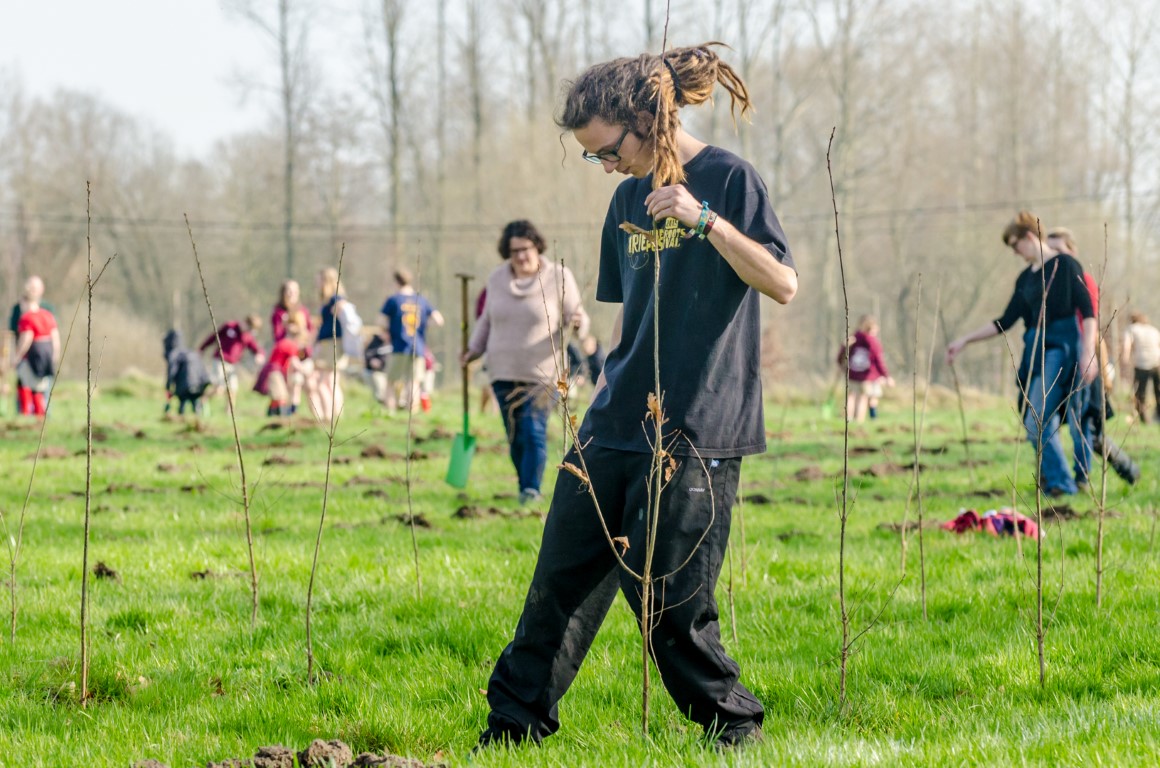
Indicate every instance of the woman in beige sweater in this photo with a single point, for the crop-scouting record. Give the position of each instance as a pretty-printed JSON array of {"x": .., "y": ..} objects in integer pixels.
[{"x": 522, "y": 330}]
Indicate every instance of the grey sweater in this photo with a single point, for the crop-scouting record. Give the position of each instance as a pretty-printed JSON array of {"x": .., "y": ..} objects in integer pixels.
[{"x": 521, "y": 322}]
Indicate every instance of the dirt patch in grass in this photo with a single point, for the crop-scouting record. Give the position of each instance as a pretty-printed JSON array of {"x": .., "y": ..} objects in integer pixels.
[
  {"x": 756, "y": 498},
  {"x": 884, "y": 469},
  {"x": 364, "y": 480},
  {"x": 809, "y": 473},
  {"x": 909, "y": 525},
  {"x": 150, "y": 764},
  {"x": 320, "y": 754},
  {"x": 792, "y": 534},
  {"x": 439, "y": 433},
  {"x": 989, "y": 493},
  {"x": 864, "y": 450},
  {"x": 195, "y": 488},
  {"x": 51, "y": 452},
  {"x": 130, "y": 488},
  {"x": 278, "y": 461},
  {"x": 1061, "y": 513},
  {"x": 419, "y": 520},
  {"x": 326, "y": 754},
  {"x": 468, "y": 512},
  {"x": 207, "y": 574},
  {"x": 373, "y": 452},
  {"x": 102, "y": 571}
]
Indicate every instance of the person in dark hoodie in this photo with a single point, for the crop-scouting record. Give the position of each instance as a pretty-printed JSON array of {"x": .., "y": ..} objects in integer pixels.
[{"x": 186, "y": 377}]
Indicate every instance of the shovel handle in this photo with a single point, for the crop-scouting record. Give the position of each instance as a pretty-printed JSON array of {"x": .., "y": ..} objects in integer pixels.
[{"x": 464, "y": 279}]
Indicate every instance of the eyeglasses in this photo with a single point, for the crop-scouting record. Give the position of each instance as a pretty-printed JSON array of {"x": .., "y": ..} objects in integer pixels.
[{"x": 611, "y": 156}]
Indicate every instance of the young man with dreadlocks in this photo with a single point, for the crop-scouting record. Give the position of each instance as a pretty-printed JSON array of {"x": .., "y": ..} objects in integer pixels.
[{"x": 720, "y": 246}]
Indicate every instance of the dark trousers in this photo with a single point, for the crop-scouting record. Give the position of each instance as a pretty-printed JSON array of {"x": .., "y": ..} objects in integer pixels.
[
  {"x": 1144, "y": 377},
  {"x": 525, "y": 408},
  {"x": 577, "y": 576}
]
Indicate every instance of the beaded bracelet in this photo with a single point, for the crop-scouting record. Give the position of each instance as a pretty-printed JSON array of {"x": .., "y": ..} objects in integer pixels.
[
  {"x": 700, "y": 228},
  {"x": 709, "y": 222}
]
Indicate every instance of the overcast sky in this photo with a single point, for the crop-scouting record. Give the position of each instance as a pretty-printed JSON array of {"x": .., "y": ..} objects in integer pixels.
[{"x": 172, "y": 63}]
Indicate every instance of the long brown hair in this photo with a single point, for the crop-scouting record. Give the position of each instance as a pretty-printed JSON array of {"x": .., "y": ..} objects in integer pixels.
[{"x": 648, "y": 90}]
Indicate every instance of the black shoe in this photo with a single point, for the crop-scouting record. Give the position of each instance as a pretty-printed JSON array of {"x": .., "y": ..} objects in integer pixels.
[
  {"x": 1129, "y": 472},
  {"x": 495, "y": 738},
  {"x": 738, "y": 736}
]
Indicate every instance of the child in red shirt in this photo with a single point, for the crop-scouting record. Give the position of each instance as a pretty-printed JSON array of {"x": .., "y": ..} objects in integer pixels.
[{"x": 37, "y": 353}]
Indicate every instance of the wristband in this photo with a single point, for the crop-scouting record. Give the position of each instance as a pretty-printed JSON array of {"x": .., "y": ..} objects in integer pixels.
[
  {"x": 700, "y": 228},
  {"x": 709, "y": 222}
]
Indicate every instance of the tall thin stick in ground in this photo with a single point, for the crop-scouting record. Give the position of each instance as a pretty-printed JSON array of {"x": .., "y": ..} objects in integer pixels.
[
  {"x": 917, "y": 464},
  {"x": 656, "y": 471},
  {"x": 1101, "y": 506},
  {"x": 334, "y": 414},
  {"x": 410, "y": 432},
  {"x": 88, "y": 444},
  {"x": 238, "y": 453},
  {"x": 914, "y": 421},
  {"x": 843, "y": 509},
  {"x": 962, "y": 408}
]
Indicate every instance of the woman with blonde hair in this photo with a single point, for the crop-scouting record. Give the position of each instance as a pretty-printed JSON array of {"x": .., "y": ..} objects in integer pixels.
[
  {"x": 1057, "y": 359},
  {"x": 338, "y": 319}
]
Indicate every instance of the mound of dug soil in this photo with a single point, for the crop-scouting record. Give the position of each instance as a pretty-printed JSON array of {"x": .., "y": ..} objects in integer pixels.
[
  {"x": 320, "y": 754},
  {"x": 325, "y": 754}
]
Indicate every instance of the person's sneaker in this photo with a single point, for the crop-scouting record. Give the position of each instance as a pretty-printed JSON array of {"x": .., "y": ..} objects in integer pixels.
[
  {"x": 530, "y": 496},
  {"x": 739, "y": 736},
  {"x": 492, "y": 737}
]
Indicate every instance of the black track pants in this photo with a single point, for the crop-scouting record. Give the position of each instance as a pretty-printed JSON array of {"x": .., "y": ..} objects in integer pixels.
[{"x": 576, "y": 579}]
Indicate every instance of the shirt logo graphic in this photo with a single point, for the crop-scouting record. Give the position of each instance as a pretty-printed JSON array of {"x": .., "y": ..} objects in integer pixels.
[{"x": 642, "y": 242}]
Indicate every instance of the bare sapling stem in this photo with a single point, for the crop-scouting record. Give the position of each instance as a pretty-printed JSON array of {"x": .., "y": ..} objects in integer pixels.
[
  {"x": 658, "y": 459},
  {"x": 84, "y": 687},
  {"x": 238, "y": 452},
  {"x": 1042, "y": 420},
  {"x": 914, "y": 430},
  {"x": 917, "y": 461},
  {"x": 843, "y": 507},
  {"x": 410, "y": 432},
  {"x": 15, "y": 540},
  {"x": 962, "y": 408},
  {"x": 1102, "y": 502},
  {"x": 331, "y": 426}
]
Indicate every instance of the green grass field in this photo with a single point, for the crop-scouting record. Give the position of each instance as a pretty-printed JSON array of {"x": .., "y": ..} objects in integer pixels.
[{"x": 177, "y": 675}]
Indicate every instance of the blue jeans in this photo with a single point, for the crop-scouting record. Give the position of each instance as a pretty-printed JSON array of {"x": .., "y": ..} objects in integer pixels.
[
  {"x": 1082, "y": 431},
  {"x": 1054, "y": 474},
  {"x": 525, "y": 407}
]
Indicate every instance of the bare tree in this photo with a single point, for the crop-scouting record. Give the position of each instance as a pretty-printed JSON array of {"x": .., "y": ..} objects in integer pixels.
[{"x": 286, "y": 25}]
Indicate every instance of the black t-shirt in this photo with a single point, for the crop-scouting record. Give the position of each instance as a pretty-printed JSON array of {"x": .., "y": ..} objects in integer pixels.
[
  {"x": 1066, "y": 294},
  {"x": 709, "y": 319}
]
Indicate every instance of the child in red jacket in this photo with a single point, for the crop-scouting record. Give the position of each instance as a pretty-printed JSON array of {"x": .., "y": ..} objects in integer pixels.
[{"x": 866, "y": 369}]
